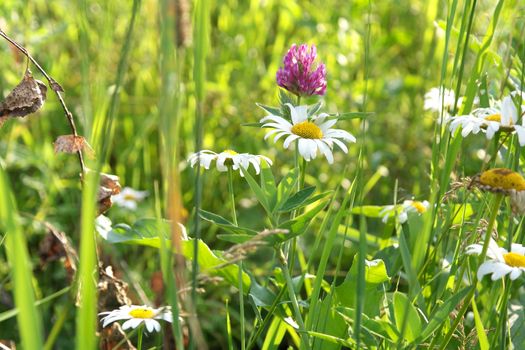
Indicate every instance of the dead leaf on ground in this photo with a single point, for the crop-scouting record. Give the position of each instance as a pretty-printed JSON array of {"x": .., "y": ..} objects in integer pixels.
[
  {"x": 26, "y": 98},
  {"x": 73, "y": 144}
]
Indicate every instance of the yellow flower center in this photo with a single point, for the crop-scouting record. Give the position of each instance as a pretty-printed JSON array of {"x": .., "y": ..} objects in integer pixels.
[
  {"x": 130, "y": 197},
  {"x": 494, "y": 118},
  {"x": 307, "y": 130},
  {"x": 231, "y": 152},
  {"x": 514, "y": 259},
  {"x": 142, "y": 313},
  {"x": 502, "y": 178},
  {"x": 420, "y": 207}
]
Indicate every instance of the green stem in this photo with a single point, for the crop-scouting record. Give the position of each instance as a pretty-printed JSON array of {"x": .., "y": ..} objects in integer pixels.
[
  {"x": 232, "y": 195},
  {"x": 241, "y": 287},
  {"x": 141, "y": 332},
  {"x": 502, "y": 317},
  {"x": 492, "y": 220},
  {"x": 293, "y": 298}
]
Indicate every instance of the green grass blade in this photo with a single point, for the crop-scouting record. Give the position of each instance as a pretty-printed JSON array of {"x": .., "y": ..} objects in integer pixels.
[{"x": 29, "y": 320}]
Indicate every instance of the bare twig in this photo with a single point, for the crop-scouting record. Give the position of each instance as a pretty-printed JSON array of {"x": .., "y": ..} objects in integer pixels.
[{"x": 55, "y": 87}]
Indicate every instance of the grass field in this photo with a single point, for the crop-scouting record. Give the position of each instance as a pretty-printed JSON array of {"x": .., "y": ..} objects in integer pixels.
[{"x": 377, "y": 235}]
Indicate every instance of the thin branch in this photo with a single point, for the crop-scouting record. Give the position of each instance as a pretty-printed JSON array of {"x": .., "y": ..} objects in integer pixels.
[{"x": 55, "y": 87}]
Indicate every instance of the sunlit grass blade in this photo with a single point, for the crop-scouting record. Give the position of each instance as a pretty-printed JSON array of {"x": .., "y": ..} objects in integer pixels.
[{"x": 29, "y": 320}]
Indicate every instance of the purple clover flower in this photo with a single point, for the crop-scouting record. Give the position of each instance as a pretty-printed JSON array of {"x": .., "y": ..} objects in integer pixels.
[{"x": 298, "y": 75}]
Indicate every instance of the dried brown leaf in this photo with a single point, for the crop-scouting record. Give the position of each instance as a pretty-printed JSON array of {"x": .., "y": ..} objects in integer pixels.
[
  {"x": 56, "y": 246},
  {"x": 72, "y": 144},
  {"x": 26, "y": 98},
  {"x": 109, "y": 186}
]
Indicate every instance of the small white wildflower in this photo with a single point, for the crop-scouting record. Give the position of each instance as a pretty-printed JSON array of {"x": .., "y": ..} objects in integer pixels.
[
  {"x": 499, "y": 262},
  {"x": 128, "y": 198},
  {"x": 228, "y": 157},
  {"x": 136, "y": 315}
]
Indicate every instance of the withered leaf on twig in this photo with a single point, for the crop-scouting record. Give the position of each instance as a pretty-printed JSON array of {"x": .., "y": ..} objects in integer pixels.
[
  {"x": 73, "y": 144},
  {"x": 109, "y": 186},
  {"x": 26, "y": 98}
]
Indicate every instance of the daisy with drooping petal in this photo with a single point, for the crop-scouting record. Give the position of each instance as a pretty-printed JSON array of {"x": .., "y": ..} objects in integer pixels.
[
  {"x": 136, "y": 315},
  {"x": 312, "y": 134},
  {"x": 128, "y": 198},
  {"x": 505, "y": 181},
  {"x": 228, "y": 158},
  {"x": 299, "y": 75},
  {"x": 500, "y": 262},
  {"x": 503, "y": 117},
  {"x": 437, "y": 99},
  {"x": 402, "y": 211}
]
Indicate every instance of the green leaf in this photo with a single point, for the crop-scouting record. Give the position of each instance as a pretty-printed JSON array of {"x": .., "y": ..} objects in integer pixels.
[
  {"x": 298, "y": 225},
  {"x": 351, "y": 115},
  {"x": 257, "y": 190},
  {"x": 285, "y": 98},
  {"x": 253, "y": 125},
  {"x": 145, "y": 232},
  {"x": 297, "y": 199},
  {"x": 285, "y": 187},
  {"x": 269, "y": 109},
  {"x": 406, "y": 317},
  {"x": 442, "y": 313},
  {"x": 268, "y": 185},
  {"x": 480, "y": 330},
  {"x": 313, "y": 109},
  {"x": 371, "y": 211},
  {"x": 225, "y": 224},
  {"x": 375, "y": 275}
]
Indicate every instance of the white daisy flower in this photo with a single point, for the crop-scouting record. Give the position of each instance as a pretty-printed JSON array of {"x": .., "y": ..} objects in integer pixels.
[
  {"x": 128, "y": 198},
  {"x": 312, "y": 134},
  {"x": 226, "y": 158},
  {"x": 434, "y": 98},
  {"x": 136, "y": 315},
  {"x": 402, "y": 211},
  {"x": 502, "y": 117},
  {"x": 500, "y": 262}
]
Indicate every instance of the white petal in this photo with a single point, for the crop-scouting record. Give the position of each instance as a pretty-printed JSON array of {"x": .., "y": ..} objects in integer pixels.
[
  {"x": 278, "y": 121},
  {"x": 289, "y": 140},
  {"x": 515, "y": 273},
  {"x": 304, "y": 149},
  {"x": 325, "y": 149},
  {"x": 500, "y": 271},
  {"x": 340, "y": 144},
  {"x": 520, "y": 131},
  {"x": 508, "y": 111},
  {"x": 131, "y": 323},
  {"x": 486, "y": 268}
]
